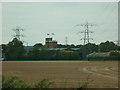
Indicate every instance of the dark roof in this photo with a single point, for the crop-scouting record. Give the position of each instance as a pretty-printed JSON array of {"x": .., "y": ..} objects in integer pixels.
[{"x": 74, "y": 49}]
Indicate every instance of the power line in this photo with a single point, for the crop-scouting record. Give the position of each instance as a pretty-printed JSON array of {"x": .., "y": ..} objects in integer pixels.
[
  {"x": 107, "y": 13},
  {"x": 86, "y": 32}
]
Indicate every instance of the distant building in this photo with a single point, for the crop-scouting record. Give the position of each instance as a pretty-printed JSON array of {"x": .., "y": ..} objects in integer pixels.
[
  {"x": 27, "y": 48},
  {"x": 71, "y": 49},
  {"x": 50, "y": 43}
]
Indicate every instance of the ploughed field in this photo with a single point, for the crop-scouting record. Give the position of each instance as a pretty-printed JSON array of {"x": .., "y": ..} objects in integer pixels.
[{"x": 64, "y": 74}]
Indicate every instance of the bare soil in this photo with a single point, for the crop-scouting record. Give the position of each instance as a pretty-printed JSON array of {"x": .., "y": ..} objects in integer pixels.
[{"x": 64, "y": 74}]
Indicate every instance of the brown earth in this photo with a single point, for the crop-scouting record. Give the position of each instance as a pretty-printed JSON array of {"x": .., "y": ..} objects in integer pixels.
[{"x": 72, "y": 74}]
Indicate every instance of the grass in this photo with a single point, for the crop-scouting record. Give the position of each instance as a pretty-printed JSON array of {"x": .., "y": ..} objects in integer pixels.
[
  {"x": 86, "y": 83},
  {"x": 15, "y": 82}
]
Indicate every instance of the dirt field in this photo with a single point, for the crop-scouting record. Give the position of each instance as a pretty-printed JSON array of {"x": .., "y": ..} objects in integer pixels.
[{"x": 102, "y": 74}]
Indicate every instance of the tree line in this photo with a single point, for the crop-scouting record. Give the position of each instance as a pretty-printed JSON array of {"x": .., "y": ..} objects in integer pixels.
[{"x": 15, "y": 50}]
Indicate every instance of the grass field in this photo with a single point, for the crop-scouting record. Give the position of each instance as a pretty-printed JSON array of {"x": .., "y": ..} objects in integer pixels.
[{"x": 100, "y": 74}]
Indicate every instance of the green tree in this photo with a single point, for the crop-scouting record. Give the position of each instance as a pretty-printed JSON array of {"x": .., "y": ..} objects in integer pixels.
[
  {"x": 15, "y": 50},
  {"x": 78, "y": 46},
  {"x": 107, "y": 46},
  {"x": 72, "y": 46},
  {"x": 61, "y": 46},
  {"x": 4, "y": 48},
  {"x": 87, "y": 49},
  {"x": 38, "y": 52},
  {"x": 114, "y": 55},
  {"x": 38, "y": 45}
]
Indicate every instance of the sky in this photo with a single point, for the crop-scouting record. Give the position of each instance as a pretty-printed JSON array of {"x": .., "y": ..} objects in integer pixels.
[
  {"x": 39, "y": 18},
  {"x": 0, "y": 23}
]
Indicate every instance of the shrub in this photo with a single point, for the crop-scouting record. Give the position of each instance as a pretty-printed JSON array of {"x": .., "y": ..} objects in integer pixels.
[
  {"x": 13, "y": 82},
  {"x": 43, "y": 84}
]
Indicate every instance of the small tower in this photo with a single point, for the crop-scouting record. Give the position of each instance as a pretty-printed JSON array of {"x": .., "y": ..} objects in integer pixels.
[{"x": 50, "y": 43}]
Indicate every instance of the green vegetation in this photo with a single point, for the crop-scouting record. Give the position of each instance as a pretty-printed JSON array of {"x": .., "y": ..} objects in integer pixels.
[
  {"x": 86, "y": 83},
  {"x": 112, "y": 55},
  {"x": 15, "y": 50},
  {"x": 107, "y": 46},
  {"x": 15, "y": 82},
  {"x": 115, "y": 55}
]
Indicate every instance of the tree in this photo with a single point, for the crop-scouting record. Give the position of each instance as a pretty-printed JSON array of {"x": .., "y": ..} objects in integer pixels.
[
  {"x": 72, "y": 46},
  {"x": 38, "y": 52},
  {"x": 78, "y": 46},
  {"x": 61, "y": 46},
  {"x": 15, "y": 50},
  {"x": 4, "y": 48},
  {"x": 107, "y": 46},
  {"x": 118, "y": 48},
  {"x": 38, "y": 45},
  {"x": 87, "y": 49}
]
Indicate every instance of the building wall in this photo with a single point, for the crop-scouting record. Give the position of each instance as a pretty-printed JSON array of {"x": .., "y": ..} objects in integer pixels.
[{"x": 52, "y": 44}]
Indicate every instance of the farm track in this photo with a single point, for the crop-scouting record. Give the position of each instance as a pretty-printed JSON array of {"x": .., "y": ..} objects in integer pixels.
[
  {"x": 100, "y": 73},
  {"x": 103, "y": 74}
]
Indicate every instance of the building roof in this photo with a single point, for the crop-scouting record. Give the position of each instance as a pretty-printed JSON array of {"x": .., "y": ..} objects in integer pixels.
[
  {"x": 74, "y": 49},
  {"x": 28, "y": 47},
  {"x": 99, "y": 54},
  {"x": 51, "y": 41}
]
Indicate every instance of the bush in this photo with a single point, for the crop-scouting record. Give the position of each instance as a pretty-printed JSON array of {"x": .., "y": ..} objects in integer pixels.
[
  {"x": 43, "y": 84},
  {"x": 15, "y": 82},
  {"x": 115, "y": 55}
]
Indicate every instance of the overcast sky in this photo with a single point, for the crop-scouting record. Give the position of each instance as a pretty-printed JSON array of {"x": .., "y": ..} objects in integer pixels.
[{"x": 60, "y": 18}]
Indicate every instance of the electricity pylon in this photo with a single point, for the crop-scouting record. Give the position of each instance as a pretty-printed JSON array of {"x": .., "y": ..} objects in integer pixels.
[
  {"x": 86, "y": 32},
  {"x": 18, "y": 32},
  {"x": 66, "y": 41}
]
